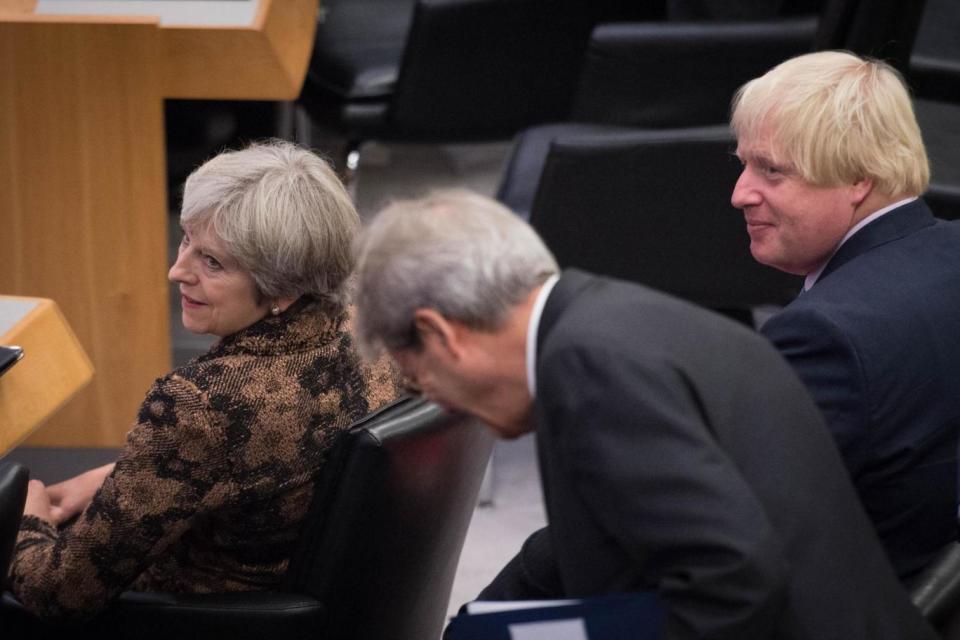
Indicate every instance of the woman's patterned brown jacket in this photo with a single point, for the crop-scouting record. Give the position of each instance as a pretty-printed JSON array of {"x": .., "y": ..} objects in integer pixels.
[{"x": 210, "y": 490}]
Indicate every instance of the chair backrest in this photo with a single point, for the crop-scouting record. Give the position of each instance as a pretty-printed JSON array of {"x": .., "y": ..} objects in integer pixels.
[
  {"x": 679, "y": 74},
  {"x": 883, "y": 29},
  {"x": 935, "y": 63},
  {"x": 484, "y": 69},
  {"x": 654, "y": 207},
  {"x": 13, "y": 494},
  {"x": 388, "y": 522}
]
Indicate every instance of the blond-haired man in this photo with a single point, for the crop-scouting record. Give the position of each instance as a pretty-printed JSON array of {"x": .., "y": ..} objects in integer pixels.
[{"x": 833, "y": 169}]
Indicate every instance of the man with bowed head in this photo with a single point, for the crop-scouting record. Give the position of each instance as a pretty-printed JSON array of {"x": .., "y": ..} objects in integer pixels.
[
  {"x": 833, "y": 167},
  {"x": 678, "y": 451}
]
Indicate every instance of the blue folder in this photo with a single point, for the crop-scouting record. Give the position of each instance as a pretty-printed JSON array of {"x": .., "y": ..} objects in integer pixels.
[{"x": 633, "y": 616}]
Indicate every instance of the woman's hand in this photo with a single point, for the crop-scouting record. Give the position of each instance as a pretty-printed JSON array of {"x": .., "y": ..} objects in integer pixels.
[
  {"x": 70, "y": 497},
  {"x": 38, "y": 503}
]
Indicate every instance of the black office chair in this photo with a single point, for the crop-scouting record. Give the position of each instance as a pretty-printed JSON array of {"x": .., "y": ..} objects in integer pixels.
[
  {"x": 671, "y": 75},
  {"x": 680, "y": 74},
  {"x": 654, "y": 207},
  {"x": 376, "y": 559},
  {"x": 445, "y": 70}
]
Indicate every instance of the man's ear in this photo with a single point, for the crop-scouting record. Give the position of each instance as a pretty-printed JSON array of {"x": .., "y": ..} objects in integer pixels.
[
  {"x": 433, "y": 327},
  {"x": 860, "y": 190}
]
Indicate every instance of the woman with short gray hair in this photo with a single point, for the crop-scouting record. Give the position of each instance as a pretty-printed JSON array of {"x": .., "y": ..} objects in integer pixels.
[
  {"x": 238, "y": 195},
  {"x": 211, "y": 489}
]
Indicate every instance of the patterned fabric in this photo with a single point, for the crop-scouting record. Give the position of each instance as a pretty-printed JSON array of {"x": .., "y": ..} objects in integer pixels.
[{"x": 209, "y": 493}]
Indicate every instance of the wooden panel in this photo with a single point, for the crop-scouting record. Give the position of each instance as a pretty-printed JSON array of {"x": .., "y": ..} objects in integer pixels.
[
  {"x": 265, "y": 62},
  {"x": 83, "y": 204},
  {"x": 52, "y": 370},
  {"x": 82, "y": 175}
]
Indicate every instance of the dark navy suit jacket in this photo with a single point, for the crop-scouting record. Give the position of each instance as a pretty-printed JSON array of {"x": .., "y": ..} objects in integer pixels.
[
  {"x": 679, "y": 453},
  {"x": 877, "y": 342}
]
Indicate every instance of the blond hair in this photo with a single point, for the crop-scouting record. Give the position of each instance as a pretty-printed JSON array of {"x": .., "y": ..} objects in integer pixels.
[{"x": 837, "y": 118}]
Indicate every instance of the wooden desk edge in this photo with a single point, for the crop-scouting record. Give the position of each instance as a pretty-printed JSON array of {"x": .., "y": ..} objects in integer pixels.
[{"x": 44, "y": 322}]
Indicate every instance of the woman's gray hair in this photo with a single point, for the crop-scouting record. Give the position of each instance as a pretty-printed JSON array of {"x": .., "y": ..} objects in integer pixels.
[
  {"x": 282, "y": 213},
  {"x": 459, "y": 253}
]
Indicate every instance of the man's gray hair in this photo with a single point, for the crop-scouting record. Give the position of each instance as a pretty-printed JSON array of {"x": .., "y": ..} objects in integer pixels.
[
  {"x": 282, "y": 213},
  {"x": 464, "y": 255}
]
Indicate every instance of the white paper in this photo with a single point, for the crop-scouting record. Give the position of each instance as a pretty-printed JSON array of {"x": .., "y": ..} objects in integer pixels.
[
  {"x": 219, "y": 13},
  {"x": 553, "y": 630},
  {"x": 495, "y": 606}
]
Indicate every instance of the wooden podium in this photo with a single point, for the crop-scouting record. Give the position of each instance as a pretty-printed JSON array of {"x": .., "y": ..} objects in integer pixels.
[{"x": 83, "y": 208}]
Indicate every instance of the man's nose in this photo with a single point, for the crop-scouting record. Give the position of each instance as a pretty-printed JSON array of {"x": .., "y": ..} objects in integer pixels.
[{"x": 744, "y": 194}]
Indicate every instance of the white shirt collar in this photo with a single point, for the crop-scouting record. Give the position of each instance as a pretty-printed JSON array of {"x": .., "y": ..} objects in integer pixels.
[
  {"x": 814, "y": 275},
  {"x": 532, "y": 328}
]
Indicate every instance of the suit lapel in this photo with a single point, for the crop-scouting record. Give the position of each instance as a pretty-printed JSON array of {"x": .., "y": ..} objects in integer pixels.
[{"x": 896, "y": 224}]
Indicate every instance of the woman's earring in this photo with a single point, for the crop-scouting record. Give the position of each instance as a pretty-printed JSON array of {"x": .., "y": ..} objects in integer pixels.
[{"x": 275, "y": 309}]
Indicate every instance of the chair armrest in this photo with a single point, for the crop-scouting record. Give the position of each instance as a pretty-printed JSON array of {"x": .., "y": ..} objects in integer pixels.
[
  {"x": 13, "y": 495},
  {"x": 230, "y": 615},
  {"x": 679, "y": 74},
  {"x": 936, "y": 592}
]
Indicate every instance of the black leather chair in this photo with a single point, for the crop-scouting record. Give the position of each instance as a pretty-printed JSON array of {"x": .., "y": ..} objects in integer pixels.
[
  {"x": 936, "y": 592},
  {"x": 669, "y": 75},
  {"x": 377, "y": 557},
  {"x": 654, "y": 207},
  {"x": 655, "y": 75},
  {"x": 678, "y": 74},
  {"x": 446, "y": 70}
]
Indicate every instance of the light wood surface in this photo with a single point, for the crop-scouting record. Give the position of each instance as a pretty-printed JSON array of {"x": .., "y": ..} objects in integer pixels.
[
  {"x": 53, "y": 369},
  {"x": 265, "y": 62},
  {"x": 83, "y": 209}
]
